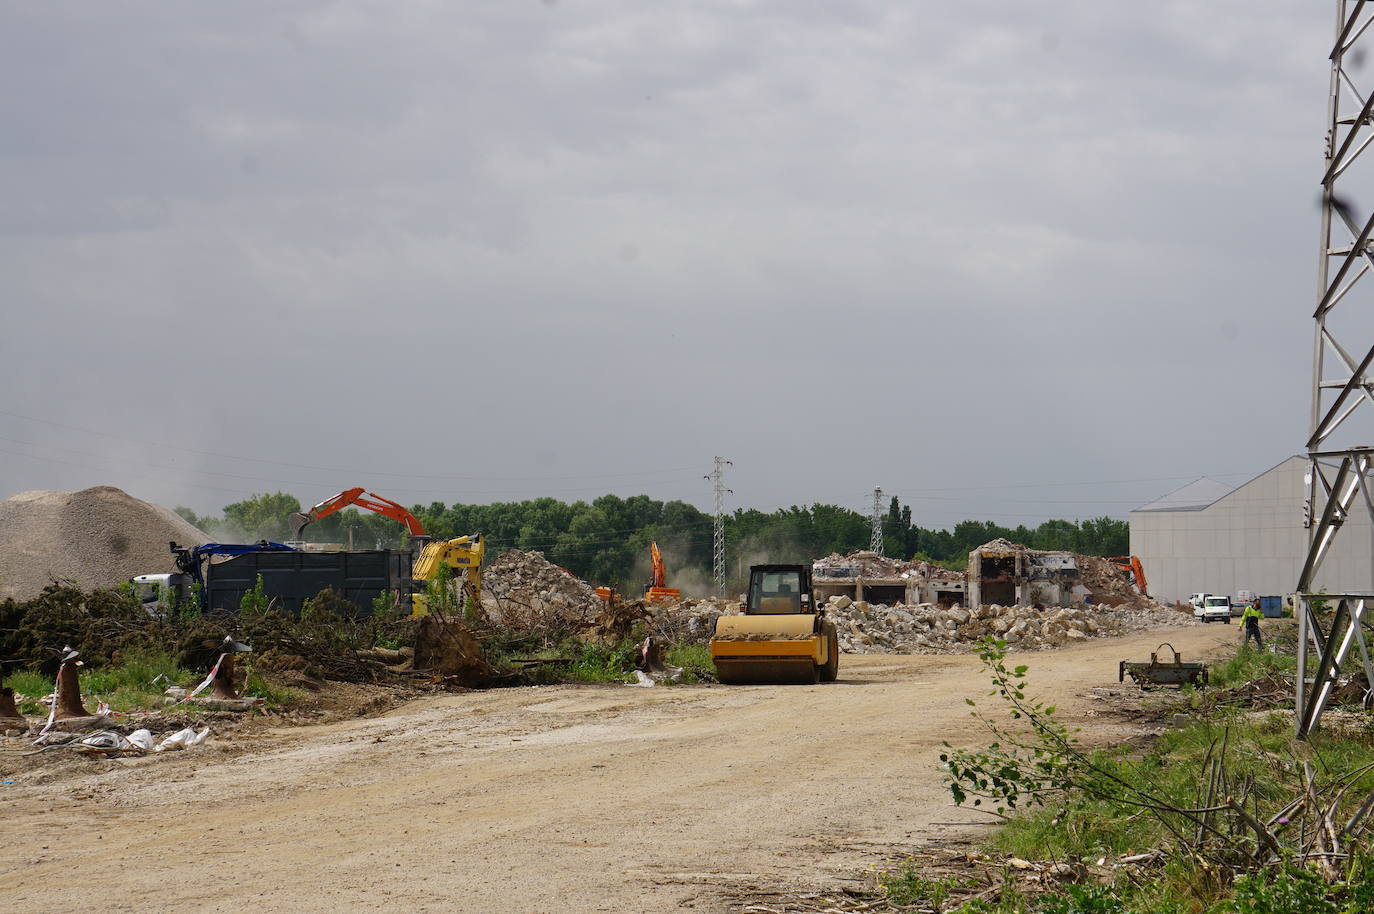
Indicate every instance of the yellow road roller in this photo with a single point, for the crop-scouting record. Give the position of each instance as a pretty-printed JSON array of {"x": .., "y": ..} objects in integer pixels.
[{"x": 783, "y": 636}]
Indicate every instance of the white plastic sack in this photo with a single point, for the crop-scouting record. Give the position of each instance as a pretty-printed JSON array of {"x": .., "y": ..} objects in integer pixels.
[
  {"x": 106, "y": 740},
  {"x": 143, "y": 739},
  {"x": 183, "y": 739}
]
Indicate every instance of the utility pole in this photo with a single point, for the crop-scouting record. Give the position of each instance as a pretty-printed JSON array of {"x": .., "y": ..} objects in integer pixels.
[
  {"x": 1330, "y": 624},
  {"x": 876, "y": 518},
  {"x": 717, "y": 477}
]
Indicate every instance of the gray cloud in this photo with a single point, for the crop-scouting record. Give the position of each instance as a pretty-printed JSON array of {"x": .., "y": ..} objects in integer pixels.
[{"x": 923, "y": 245}]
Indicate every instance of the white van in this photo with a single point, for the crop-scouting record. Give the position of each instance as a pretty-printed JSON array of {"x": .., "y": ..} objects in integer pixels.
[{"x": 1214, "y": 609}]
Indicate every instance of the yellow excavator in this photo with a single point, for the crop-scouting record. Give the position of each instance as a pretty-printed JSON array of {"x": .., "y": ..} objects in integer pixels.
[
  {"x": 783, "y": 636},
  {"x": 463, "y": 554}
]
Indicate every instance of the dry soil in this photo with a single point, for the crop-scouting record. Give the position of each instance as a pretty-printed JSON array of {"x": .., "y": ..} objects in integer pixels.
[{"x": 568, "y": 798}]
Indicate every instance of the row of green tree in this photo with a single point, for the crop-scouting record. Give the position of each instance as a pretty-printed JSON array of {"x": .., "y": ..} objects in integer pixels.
[{"x": 607, "y": 540}]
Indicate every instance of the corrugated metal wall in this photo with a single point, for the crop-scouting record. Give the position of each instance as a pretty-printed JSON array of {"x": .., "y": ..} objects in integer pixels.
[{"x": 1252, "y": 539}]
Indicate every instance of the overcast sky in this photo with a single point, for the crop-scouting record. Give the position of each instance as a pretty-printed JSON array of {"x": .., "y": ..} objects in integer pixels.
[{"x": 1010, "y": 261}]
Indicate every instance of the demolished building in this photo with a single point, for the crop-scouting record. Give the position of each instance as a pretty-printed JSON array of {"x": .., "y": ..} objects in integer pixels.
[
  {"x": 869, "y": 577},
  {"x": 1007, "y": 574}
]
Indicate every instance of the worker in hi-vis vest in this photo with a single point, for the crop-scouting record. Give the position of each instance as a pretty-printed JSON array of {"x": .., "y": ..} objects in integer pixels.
[{"x": 1249, "y": 622}]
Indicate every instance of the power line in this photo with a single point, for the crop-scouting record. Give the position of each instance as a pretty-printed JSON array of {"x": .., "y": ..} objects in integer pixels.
[
  {"x": 327, "y": 469},
  {"x": 285, "y": 482}
]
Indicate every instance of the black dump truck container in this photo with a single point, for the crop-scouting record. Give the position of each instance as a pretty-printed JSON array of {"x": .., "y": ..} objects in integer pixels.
[{"x": 291, "y": 578}]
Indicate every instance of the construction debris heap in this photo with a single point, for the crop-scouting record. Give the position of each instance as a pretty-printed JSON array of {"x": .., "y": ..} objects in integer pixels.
[
  {"x": 866, "y": 628},
  {"x": 1030, "y": 598},
  {"x": 524, "y": 590}
]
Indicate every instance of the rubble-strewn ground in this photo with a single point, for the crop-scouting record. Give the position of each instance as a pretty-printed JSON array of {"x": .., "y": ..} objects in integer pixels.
[
  {"x": 563, "y": 798},
  {"x": 868, "y": 629}
]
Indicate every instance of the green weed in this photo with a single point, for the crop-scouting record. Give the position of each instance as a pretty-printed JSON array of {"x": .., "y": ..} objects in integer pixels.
[
  {"x": 695, "y": 660},
  {"x": 906, "y": 886},
  {"x": 33, "y": 686},
  {"x": 257, "y": 687}
]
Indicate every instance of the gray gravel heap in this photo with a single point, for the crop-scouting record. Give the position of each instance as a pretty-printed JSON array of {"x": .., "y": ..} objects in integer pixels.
[{"x": 97, "y": 537}]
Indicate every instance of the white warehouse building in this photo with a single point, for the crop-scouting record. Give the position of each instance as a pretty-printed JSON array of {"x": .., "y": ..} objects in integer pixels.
[{"x": 1208, "y": 537}]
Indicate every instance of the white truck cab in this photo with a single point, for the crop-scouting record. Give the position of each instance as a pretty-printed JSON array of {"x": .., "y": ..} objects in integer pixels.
[
  {"x": 1214, "y": 609},
  {"x": 160, "y": 592}
]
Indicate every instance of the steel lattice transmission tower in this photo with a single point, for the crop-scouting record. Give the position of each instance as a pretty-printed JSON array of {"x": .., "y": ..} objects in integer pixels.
[
  {"x": 717, "y": 477},
  {"x": 1330, "y": 624},
  {"x": 876, "y": 519}
]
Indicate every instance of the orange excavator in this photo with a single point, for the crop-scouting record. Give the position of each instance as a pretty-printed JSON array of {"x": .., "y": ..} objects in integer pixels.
[
  {"x": 1130, "y": 564},
  {"x": 658, "y": 591},
  {"x": 362, "y": 499}
]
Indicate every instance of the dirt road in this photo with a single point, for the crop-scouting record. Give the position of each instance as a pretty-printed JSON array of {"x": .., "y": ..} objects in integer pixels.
[{"x": 571, "y": 798}]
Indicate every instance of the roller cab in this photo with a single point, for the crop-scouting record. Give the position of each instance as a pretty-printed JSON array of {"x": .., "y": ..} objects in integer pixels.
[{"x": 782, "y": 635}]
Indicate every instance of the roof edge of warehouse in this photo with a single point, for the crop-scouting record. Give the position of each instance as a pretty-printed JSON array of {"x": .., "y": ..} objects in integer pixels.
[{"x": 1203, "y": 492}]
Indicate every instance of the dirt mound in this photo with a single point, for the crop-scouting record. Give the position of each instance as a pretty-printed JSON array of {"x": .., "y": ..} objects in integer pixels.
[{"x": 96, "y": 537}]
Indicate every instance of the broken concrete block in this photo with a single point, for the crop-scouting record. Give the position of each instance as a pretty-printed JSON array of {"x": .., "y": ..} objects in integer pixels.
[{"x": 840, "y": 602}]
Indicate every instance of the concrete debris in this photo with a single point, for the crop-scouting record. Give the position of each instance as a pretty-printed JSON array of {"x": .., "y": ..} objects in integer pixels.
[
  {"x": 869, "y": 576},
  {"x": 867, "y": 628},
  {"x": 96, "y": 537},
  {"x": 525, "y": 591},
  {"x": 862, "y": 564},
  {"x": 690, "y": 621},
  {"x": 1109, "y": 584}
]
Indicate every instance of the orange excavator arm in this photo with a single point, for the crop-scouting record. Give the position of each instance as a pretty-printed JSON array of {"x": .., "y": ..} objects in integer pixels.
[
  {"x": 1138, "y": 570},
  {"x": 1131, "y": 564},
  {"x": 656, "y": 558},
  {"x": 362, "y": 499}
]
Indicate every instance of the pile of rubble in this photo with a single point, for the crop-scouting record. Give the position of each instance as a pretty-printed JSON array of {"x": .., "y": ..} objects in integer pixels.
[
  {"x": 871, "y": 566},
  {"x": 691, "y": 621},
  {"x": 1110, "y": 584},
  {"x": 861, "y": 564},
  {"x": 866, "y": 628},
  {"x": 525, "y": 591}
]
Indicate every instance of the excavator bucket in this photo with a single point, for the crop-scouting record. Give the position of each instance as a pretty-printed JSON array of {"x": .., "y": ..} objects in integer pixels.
[{"x": 298, "y": 522}]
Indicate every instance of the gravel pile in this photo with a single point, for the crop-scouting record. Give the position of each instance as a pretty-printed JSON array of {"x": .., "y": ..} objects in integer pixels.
[
  {"x": 96, "y": 537},
  {"x": 865, "y": 628}
]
